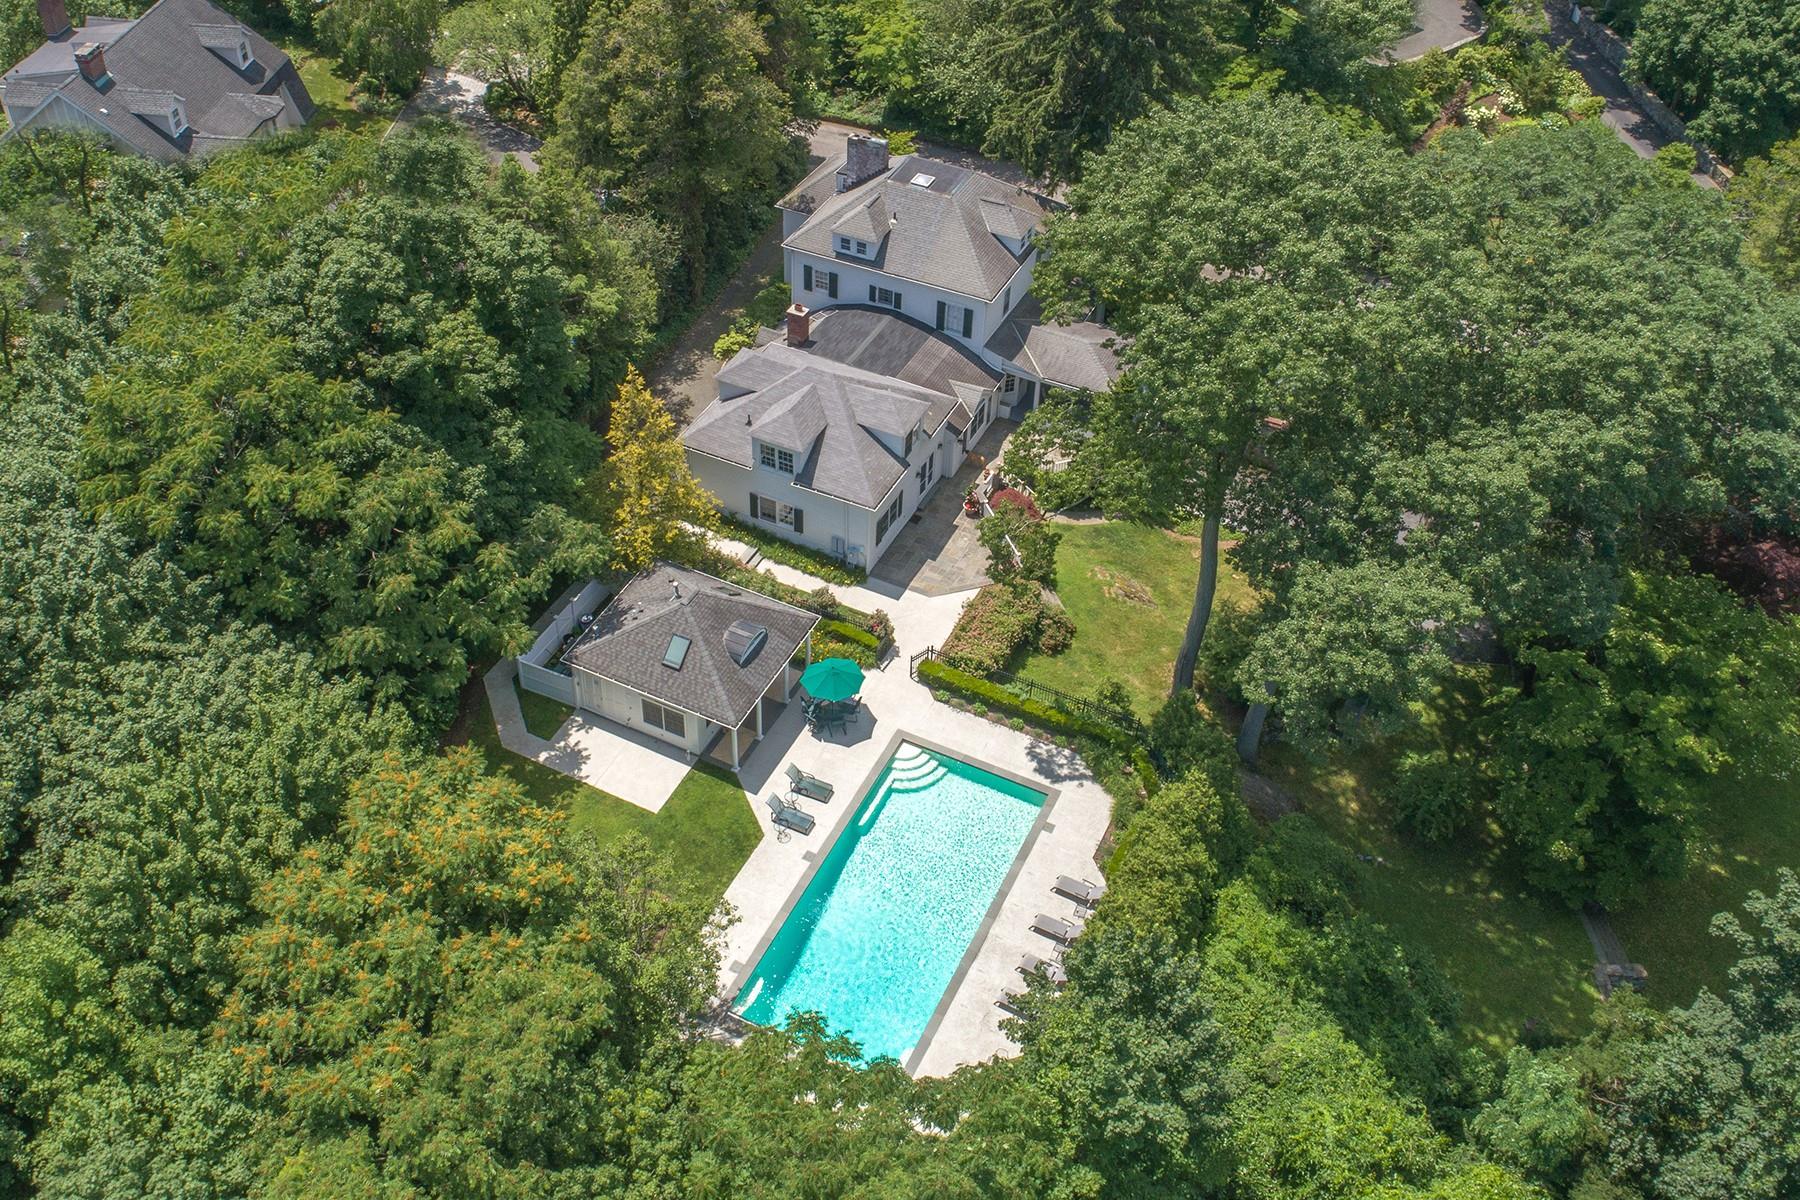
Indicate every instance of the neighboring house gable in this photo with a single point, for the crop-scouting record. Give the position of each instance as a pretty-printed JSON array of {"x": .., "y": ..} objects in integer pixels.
[{"x": 183, "y": 80}]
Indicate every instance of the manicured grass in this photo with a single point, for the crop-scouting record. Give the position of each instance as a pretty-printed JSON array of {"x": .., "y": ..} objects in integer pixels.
[
  {"x": 706, "y": 829},
  {"x": 1128, "y": 589},
  {"x": 1514, "y": 955},
  {"x": 543, "y": 716},
  {"x": 1755, "y": 826}
]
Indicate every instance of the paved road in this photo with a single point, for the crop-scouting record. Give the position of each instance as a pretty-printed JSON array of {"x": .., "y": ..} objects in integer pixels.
[
  {"x": 1622, "y": 114},
  {"x": 1438, "y": 25}
]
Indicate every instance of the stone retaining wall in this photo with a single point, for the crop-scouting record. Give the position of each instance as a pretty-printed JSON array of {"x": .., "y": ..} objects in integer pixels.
[{"x": 1596, "y": 36}]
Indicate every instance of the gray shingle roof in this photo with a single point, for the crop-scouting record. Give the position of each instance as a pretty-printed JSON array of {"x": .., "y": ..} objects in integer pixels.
[
  {"x": 883, "y": 342},
  {"x": 943, "y": 230},
  {"x": 176, "y": 49},
  {"x": 1072, "y": 356},
  {"x": 629, "y": 639},
  {"x": 768, "y": 393}
]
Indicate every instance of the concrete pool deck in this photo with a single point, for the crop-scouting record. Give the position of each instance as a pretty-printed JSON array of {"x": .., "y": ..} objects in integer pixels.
[{"x": 967, "y": 1026}]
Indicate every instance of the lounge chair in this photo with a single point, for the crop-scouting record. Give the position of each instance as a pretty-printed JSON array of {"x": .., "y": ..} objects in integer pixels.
[
  {"x": 1081, "y": 891},
  {"x": 810, "y": 786},
  {"x": 1057, "y": 929},
  {"x": 786, "y": 814},
  {"x": 1009, "y": 1002},
  {"x": 1051, "y": 970}
]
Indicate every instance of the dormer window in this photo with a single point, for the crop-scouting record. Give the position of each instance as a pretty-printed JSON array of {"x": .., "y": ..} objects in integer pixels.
[
  {"x": 777, "y": 459},
  {"x": 243, "y": 55},
  {"x": 177, "y": 122},
  {"x": 852, "y": 246}
]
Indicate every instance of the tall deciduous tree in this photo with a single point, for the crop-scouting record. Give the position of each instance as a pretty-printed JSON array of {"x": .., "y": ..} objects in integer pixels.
[
  {"x": 1072, "y": 73},
  {"x": 670, "y": 104},
  {"x": 1731, "y": 67},
  {"x": 651, "y": 499},
  {"x": 1232, "y": 243},
  {"x": 509, "y": 43},
  {"x": 1766, "y": 194},
  {"x": 386, "y": 42}
]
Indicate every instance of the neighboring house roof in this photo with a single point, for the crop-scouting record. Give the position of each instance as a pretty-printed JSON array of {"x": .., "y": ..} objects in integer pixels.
[
  {"x": 182, "y": 50},
  {"x": 931, "y": 222},
  {"x": 829, "y": 413},
  {"x": 632, "y": 642},
  {"x": 1079, "y": 355}
]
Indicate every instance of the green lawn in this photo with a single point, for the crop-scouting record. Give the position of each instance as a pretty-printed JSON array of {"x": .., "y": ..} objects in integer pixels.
[
  {"x": 1756, "y": 829},
  {"x": 706, "y": 828},
  {"x": 1513, "y": 955},
  {"x": 330, "y": 89},
  {"x": 1128, "y": 589},
  {"x": 543, "y": 716}
]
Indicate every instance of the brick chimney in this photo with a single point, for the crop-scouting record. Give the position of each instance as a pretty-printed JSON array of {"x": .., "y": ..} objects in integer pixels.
[
  {"x": 54, "y": 14},
  {"x": 799, "y": 325},
  {"x": 91, "y": 58},
  {"x": 865, "y": 157}
]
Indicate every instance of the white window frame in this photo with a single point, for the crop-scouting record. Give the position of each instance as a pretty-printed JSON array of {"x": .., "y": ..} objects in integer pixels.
[
  {"x": 767, "y": 509},
  {"x": 784, "y": 515},
  {"x": 663, "y": 717}
]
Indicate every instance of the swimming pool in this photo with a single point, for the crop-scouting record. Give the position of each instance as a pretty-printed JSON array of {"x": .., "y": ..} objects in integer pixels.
[{"x": 879, "y": 931}]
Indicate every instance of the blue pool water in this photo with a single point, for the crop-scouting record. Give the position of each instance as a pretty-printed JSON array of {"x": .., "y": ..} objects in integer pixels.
[{"x": 881, "y": 927}]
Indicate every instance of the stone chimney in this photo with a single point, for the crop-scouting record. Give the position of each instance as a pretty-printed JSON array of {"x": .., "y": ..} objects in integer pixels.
[
  {"x": 91, "y": 58},
  {"x": 865, "y": 157},
  {"x": 55, "y": 17},
  {"x": 799, "y": 325}
]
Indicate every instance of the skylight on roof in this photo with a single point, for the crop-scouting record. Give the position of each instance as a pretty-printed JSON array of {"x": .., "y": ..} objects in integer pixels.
[
  {"x": 923, "y": 180},
  {"x": 676, "y": 654}
]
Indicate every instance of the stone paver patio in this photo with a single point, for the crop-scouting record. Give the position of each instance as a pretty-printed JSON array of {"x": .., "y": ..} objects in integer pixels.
[
  {"x": 938, "y": 552},
  {"x": 622, "y": 762}
]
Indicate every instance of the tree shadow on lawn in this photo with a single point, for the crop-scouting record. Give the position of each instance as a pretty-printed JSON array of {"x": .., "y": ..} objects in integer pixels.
[{"x": 1515, "y": 956}]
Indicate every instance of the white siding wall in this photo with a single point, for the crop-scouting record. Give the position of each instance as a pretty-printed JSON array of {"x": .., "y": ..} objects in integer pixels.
[
  {"x": 824, "y": 517},
  {"x": 56, "y": 113},
  {"x": 916, "y": 299},
  {"x": 619, "y": 703}
]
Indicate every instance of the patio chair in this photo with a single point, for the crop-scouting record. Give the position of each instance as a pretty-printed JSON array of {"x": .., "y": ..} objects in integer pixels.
[
  {"x": 1009, "y": 1002},
  {"x": 1082, "y": 891},
  {"x": 810, "y": 786},
  {"x": 1049, "y": 968},
  {"x": 788, "y": 815},
  {"x": 1057, "y": 929}
]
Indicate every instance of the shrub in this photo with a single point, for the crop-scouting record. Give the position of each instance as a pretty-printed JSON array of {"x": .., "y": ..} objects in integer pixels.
[
  {"x": 827, "y": 643},
  {"x": 1433, "y": 795},
  {"x": 1229, "y": 635},
  {"x": 1183, "y": 740},
  {"x": 881, "y": 625},
  {"x": 995, "y": 623},
  {"x": 1301, "y": 869},
  {"x": 738, "y": 337},
  {"x": 1012, "y": 528},
  {"x": 941, "y": 676},
  {"x": 1055, "y": 628}
]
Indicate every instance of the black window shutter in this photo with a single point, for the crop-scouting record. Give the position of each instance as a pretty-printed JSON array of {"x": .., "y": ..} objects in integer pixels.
[
  {"x": 799, "y": 521},
  {"x": 806, "y": 277},
  {"x": 831, "y": 285},
  {"x": 940, "y": 320},
  {"x": 871, "y": 293},
  {"x": 755, "y": 512},
  {"x": 968, "y": 322},
  {"x": 896, "y": 299}
]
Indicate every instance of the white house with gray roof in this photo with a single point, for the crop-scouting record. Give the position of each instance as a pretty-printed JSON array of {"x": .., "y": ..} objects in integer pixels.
[
  {"x": 947, "y": 246},
  {"x": 691, "y": 660},
  {"x": 832, "y": 437},
  {"x": 184, "y": 80}
]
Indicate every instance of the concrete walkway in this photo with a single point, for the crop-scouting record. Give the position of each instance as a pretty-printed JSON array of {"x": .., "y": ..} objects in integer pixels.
[
  {"x": 621, "y": 762},
  {"x": 1438, "y": 25}
]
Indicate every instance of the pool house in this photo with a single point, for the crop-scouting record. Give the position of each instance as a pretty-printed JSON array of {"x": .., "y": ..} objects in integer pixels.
[{"x": 683, "y": 657}]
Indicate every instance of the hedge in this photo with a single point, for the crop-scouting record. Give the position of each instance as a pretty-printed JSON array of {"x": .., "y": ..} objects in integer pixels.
[{"x": 846, "y": 632}]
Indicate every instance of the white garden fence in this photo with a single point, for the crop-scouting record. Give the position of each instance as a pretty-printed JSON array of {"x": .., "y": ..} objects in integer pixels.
[{"x": 540, "y": 668}]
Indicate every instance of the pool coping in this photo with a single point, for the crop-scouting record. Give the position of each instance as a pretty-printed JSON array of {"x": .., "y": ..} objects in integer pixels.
[{"x": 816, "y": 857}]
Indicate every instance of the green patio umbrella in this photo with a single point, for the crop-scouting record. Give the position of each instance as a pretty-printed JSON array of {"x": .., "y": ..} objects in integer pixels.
[{"x": 832, "y": 679}]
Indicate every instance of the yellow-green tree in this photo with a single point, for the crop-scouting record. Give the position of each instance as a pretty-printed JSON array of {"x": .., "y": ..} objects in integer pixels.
[{"x": 652, "y": 501}]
